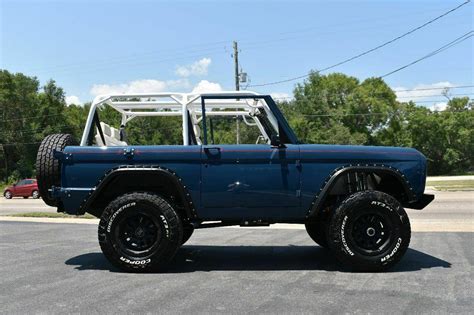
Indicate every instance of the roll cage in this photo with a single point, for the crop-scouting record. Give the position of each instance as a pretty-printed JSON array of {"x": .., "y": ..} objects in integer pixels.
[{"x": 255, "y": 110}]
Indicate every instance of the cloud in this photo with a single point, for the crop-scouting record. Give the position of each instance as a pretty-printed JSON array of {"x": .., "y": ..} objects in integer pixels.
[
  {"x": 437, "y": 107},
  {"x": 420, "y": 91},
  {"x": 140, "y": 86},
  {"x": 205, "y": 86},
  {"x": 154, "y": 86},
  {"x": 197, "y": 68},
  {"x": 73, "y": 99}
]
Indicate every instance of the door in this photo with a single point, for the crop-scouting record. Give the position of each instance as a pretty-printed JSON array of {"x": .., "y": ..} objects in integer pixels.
[
  {"x": 20, "y": 188},
  {"x": 244, "y": 180},
  {"x": 250, "y": 176}
]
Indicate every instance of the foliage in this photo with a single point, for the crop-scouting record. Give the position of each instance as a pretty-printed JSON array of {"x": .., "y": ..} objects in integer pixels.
[{"x": 333, "y": 108}]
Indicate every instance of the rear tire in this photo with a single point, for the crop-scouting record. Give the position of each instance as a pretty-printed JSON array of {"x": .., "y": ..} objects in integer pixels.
[
  {"x": 48, "y": 169},
  {"x": 318, "y": 232},
  {"x": 140, "y": 232},
  {"x": 369, "y": 231},
  {"x": 35, "y": 194}
]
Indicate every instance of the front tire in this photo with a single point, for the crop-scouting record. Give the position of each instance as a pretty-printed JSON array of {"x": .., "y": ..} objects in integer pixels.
[
  {"x": 8, "y": 194},
  {"x": 140, "y": 232},
  {"x": 369, "y": 231}
]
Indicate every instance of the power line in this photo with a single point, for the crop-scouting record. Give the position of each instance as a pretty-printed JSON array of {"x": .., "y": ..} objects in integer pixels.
[
  {"x": 367, "y": 51},
  {"x": 434, "y": 53},
  {"x": 435, "y": 88},
  {"x": 412, "y": 96}
]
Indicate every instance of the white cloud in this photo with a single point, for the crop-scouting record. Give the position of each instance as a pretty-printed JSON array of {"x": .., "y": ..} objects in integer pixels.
[
  {"x": 421, "y": 92},
  {"x": 197, "y": 68},
  {"x": 439, "y": 106},
  {"x": 139, "y": 86},
  {"x": 155, "y": 86},
  {"x": 280, "y": 96},
  {"x": 207, "y": 87},
  {"x": 73, "y": 99}
]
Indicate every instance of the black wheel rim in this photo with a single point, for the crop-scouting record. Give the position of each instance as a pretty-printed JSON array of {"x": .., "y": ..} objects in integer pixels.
[
  {"x": 371, "y": 233},
  {"x": 138, "y": 233}
]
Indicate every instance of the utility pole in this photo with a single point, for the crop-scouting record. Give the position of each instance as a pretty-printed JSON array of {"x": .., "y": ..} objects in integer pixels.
[
  {"x": 236, "y": 67},
  {"x": 237, "y": 84}
]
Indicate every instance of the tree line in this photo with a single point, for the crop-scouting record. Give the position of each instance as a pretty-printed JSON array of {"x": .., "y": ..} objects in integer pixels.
[{"x": 328, "y": 109}]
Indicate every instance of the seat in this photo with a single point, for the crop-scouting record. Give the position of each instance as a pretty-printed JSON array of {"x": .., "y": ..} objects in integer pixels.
[{"x": 111, "y": 136}]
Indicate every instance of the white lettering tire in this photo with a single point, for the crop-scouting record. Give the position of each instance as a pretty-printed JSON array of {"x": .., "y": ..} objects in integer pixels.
[
  {"x": 369, "y": 231},
  {"x": 140, "y": 232}
]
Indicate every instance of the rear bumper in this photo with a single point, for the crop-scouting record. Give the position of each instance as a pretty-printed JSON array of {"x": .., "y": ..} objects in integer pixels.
[{"x": 421, "y": 203}]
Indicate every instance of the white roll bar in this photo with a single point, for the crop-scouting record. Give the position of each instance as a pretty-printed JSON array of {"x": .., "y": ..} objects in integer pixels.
[{"x": 176, "y": 104}]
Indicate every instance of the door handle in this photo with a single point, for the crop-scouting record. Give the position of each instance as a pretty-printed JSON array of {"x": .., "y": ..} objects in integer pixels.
[{"x": 212, "y": 150}]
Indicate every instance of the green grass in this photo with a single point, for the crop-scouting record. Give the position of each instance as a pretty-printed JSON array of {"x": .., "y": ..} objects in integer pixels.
[
  {"x": 451, "y": 184},
  {"x": 51, "y": 215}
]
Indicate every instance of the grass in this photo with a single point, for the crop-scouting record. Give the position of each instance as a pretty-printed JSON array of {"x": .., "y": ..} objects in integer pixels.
[
  {"x": 52, "y": 215},
  {"x": 451, "y": 184}
]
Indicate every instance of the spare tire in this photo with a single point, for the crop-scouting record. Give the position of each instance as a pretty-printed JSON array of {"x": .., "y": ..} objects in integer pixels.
[{"x": 48, "y": 169}]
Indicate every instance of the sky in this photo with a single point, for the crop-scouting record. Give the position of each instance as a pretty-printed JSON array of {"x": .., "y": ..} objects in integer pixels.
[{"x": 96, "y": 47}]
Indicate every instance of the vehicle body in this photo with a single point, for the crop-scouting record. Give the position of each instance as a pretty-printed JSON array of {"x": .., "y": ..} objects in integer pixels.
[
  {"x": 277, "y": 181},
  {"x": 25, "y": 188}
]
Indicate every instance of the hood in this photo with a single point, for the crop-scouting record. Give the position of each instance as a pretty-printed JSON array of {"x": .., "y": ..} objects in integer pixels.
[{"x": 360, "y": 153}]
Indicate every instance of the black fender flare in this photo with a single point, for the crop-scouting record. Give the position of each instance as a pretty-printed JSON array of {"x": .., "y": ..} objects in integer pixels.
[
  {"x": 140, "y": 169},
  {"x": 330, "y": 181}
]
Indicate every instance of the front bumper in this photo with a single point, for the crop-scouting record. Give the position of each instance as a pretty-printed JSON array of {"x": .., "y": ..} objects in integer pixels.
[{"x": 421, "y": 203}]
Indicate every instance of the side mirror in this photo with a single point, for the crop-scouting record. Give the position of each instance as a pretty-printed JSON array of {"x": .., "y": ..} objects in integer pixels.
[
  {"x": 14, "y": 185},
  {"x": 275, "y": 142}
]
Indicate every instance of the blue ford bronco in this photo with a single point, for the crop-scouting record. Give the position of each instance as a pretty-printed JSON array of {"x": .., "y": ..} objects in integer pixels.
[{"x": 239, "y": 163}]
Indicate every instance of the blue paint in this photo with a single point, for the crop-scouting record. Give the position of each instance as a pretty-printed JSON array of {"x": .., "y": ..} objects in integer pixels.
[{"x": 240, "y": 181}]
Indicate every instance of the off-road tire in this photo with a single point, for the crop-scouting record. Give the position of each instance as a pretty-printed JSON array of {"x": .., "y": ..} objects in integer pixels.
[
  {"x": 113, "y": 234},
  {"x": 318, "y": 232},
  {"x": 350, "y": 221},
  {"x": 188, "y": 230},
  {"x": 48, "y": 169}
]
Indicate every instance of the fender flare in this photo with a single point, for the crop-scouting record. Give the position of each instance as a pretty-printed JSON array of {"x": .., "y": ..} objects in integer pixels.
[
  {"x": 140, "y": 169},
  {"x": 330, "y": 181}
]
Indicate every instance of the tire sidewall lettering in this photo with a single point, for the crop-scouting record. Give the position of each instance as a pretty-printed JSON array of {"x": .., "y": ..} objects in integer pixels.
[
  {"x": 343, "y": 237},
  {"x": 116, "y": 213},
  {"x": 393, "y": 252},
  {"x": 135, "y": 262},
  {"x": 165, "y": 226}
]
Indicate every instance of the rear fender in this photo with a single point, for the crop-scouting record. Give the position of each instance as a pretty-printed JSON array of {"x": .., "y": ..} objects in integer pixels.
[{"x": 158, "y": 171}]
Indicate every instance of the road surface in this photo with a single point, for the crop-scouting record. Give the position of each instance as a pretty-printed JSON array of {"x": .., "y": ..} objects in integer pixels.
[{"x": 58, "y": 268}]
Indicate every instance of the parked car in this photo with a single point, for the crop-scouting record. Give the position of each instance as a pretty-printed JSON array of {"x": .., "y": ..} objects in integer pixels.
[
  {"x": 24, "y": 188},
  {"x": 150, "y": 198}
]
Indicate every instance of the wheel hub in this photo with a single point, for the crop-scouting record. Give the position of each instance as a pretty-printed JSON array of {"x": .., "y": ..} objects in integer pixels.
[
  {"x": 371, "y": 233},
  {"x": 138, "y": 232}
]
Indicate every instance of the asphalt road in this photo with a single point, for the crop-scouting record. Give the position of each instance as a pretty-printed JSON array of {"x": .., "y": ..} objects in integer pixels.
[{"x": 58, "y": 268}]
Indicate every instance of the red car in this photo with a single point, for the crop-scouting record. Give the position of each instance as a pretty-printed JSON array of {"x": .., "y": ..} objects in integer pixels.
[{"x": 24, "y": 188}]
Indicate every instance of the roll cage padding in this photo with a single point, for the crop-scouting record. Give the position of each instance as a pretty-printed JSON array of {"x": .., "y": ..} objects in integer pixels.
[
  {"x": 126, "y": 170},
  {"x": 318, "y": 201}
]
